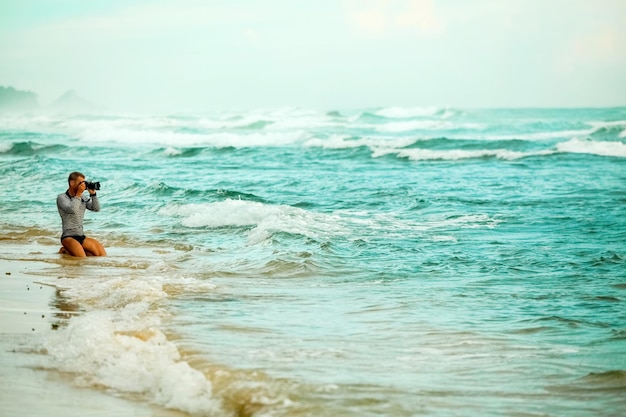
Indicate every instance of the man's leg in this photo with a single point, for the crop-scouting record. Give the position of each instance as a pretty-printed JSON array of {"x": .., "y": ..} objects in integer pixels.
[
  {"x": 93, "y": 247},
  {"x": 73, "y": 247}
]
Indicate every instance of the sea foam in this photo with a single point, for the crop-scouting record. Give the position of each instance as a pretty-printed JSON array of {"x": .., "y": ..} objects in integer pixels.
[
  {"x": 455, "y": 154},
  {"x": 347, "y": 142},
  {"x": 408, "y": 112},
  {"x": 601, "y": 148},
  {"x": 265, "y": 219},
  {"x": 117, "y": 343},
  {"x": 216, "y": 140},
  {"x": 411, "y": 125}
]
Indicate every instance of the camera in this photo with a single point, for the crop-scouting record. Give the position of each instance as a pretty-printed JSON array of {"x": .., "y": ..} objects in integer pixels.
[{"x": 92, "y": 185}]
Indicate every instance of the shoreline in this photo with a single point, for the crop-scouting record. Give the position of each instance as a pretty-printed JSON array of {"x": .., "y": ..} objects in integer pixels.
[{"x": 30, "y": 310}]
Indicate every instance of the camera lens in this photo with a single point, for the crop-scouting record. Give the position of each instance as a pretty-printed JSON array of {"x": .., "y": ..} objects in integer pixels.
[{"x": 92, "y": 185}]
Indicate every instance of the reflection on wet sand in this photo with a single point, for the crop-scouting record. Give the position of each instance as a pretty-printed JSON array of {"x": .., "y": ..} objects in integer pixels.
[{"x": 64, "y": 309}]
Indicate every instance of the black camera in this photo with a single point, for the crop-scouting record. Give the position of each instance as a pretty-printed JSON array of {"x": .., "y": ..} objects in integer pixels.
[{"x": 92, "y": 185}]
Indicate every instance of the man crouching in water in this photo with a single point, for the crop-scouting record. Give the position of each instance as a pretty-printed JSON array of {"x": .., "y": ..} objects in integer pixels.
[{"x": 72, "y": 205}]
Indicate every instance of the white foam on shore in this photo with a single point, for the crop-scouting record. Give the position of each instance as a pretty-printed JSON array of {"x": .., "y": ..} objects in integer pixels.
[
  {"x": 29, "y": 390},
  {"x": 117, "y": 343}
]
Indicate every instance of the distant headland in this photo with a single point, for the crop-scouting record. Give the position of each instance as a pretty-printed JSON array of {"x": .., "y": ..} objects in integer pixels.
[
  {"x": 16, "y": 100},
  {"x": 13, "y": 100}
]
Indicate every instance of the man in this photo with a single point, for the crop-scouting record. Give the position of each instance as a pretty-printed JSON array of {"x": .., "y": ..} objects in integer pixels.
[{"x": 72, "y": 205}]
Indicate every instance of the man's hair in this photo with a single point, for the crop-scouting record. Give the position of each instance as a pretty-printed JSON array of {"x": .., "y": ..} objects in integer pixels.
[{"x": 74, "y": 175}]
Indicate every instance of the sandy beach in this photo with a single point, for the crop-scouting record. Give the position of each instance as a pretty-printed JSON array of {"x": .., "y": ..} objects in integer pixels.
[
  {"x": 29, "y": 311},
  {"x": 25, "y": 305}
]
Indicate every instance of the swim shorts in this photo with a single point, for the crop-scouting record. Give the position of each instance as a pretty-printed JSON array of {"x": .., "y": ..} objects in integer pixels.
[{"x": 79, "y": 239}]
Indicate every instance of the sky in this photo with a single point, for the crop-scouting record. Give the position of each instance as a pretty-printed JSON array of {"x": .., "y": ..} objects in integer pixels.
[{"x": 194, "y": 55}]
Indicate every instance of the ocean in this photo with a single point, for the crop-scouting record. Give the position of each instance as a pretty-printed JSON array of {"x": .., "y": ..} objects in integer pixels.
[{"x": 298, "y": 262}]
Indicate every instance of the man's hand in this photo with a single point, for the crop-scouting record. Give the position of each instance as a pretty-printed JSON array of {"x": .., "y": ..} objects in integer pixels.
[{"x": 81, "y": 189}]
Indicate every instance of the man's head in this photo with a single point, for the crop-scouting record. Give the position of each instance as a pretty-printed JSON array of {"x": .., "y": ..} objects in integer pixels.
[
  {"x": 75, "y": 176},
  {"x": 76, "y": 181}
]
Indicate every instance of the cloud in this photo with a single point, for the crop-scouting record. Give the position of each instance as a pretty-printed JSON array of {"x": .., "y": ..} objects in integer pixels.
[
  {"x": 604, "y": 46},
  {"x": 392, "y": 17},
  {"x": 601, "y": 48},
  {"x": 420, "y": 15}
]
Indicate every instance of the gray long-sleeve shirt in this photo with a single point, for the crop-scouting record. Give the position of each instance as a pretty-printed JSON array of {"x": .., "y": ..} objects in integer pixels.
[{"x": 72, "y": 211}]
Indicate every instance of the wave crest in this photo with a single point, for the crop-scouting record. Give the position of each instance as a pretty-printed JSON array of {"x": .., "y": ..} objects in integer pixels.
[
  {"x": 29, "y": 148},
  {"x": 456, "y": 154},
  {"x": 412, "y": 112},
  {"x": 601, "y": 148},
  {"x": 266, "y": 219}
]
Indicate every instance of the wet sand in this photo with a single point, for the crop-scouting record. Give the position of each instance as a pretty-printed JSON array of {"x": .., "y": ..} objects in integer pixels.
[
  {"x": 30, "y": 310},
  {"x": 25, "y": 305}
]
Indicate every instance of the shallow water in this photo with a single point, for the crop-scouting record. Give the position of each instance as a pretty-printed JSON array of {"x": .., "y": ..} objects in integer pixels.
[{"x": 376, "y": 262}]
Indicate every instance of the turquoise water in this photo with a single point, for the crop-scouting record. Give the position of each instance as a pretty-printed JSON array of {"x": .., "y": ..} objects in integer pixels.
[{"x": 391, "y": 261}]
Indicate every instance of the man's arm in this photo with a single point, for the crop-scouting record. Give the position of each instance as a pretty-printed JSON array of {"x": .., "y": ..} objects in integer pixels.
[{"x": 93, "y": 204}]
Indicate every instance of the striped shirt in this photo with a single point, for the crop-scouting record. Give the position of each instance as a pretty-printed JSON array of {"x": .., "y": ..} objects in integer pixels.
[{"x": 72, "y": 211}]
